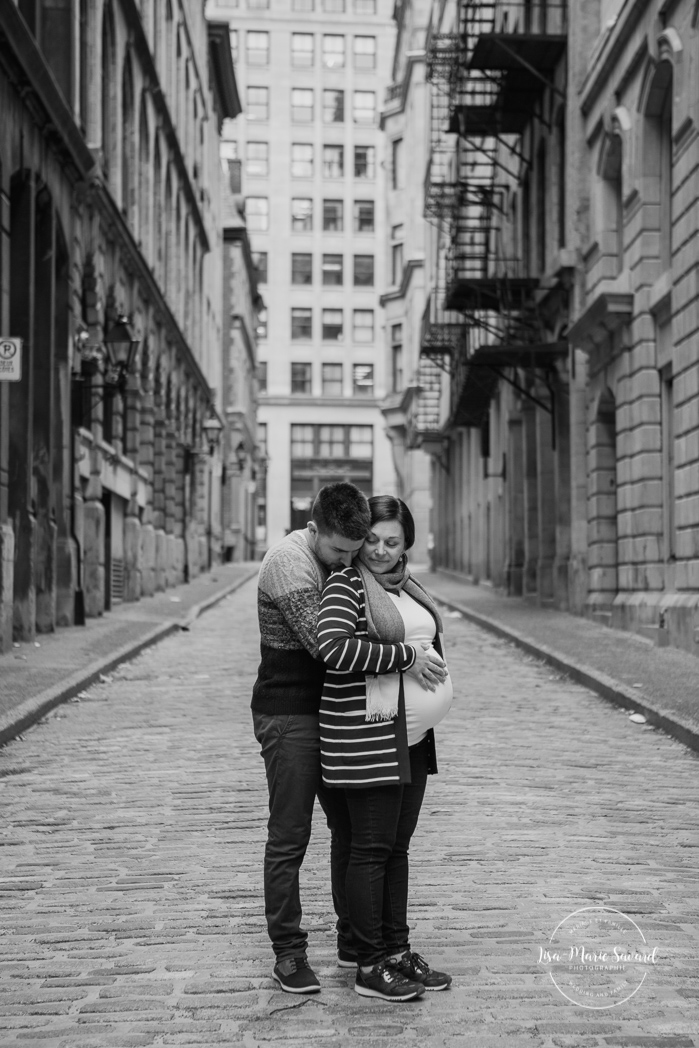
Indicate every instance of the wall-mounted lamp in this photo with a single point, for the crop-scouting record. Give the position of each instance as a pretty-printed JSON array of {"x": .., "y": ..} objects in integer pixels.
[
  {"x": 121, "y": 348},
  {"x": 212, "y": 427},
  {"x": 241, "y": 455}
]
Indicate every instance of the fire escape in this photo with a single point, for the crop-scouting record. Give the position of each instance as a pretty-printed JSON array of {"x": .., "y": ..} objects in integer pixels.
[{"x": 506, "y": 55}]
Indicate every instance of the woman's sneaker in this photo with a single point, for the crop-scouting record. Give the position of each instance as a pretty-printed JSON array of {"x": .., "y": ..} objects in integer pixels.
[
  {"x": 295, "y": 975},
  {"x": 416, "y": 969},
  {"x": 386, "y": 981}
]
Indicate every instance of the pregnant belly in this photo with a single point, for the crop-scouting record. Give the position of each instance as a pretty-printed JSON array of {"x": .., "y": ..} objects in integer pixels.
[{"x": 425, "y": 709}]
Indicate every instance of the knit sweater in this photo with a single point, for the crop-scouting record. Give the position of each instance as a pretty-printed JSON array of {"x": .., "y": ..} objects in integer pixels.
[
  {"x": 356, "y": 752},
  {"x": 290, "y": 675}
]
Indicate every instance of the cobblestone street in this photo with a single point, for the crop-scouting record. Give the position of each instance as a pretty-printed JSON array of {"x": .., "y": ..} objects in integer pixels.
[{"x": 131, "y": 874}]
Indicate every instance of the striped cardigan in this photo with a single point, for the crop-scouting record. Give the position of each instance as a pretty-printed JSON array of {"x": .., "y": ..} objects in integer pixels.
[{"x": 356, "y": 752}]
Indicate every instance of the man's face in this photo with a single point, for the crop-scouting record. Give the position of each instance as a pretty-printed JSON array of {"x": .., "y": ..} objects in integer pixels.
[{"x": 334, "y": 551}]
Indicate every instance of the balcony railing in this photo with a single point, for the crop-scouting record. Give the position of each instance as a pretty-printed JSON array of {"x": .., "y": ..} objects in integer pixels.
[
  {"x": 424, "y": 415},
  {"x": 441, "y": 329}
]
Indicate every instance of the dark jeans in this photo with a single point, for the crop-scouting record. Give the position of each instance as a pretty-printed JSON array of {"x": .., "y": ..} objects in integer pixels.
[
  {"x": 383, "y": 821},
  {"x": 291, "y": 750}
]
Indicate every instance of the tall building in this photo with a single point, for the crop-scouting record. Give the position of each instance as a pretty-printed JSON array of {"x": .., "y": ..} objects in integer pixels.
[
  {"x": 313, "y": 75},
  {"x": 111, "y": 284}
]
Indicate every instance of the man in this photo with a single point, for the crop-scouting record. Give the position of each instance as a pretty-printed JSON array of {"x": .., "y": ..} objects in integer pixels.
[{"x": 285, "y": 703}]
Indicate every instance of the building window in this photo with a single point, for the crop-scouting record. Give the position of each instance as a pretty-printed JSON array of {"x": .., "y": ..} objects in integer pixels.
[
  {"x": 257, "y": 160},
  {"x": 333, "y": 161},
  {"x": 364, "y": 216},
  {"x": 364, "y": 162},
  {"x": 363, "y": 325},
  {"x": 302, "y": 50},
  {"x": 233, "y": 38},
  {"x": 301, "y": 269},
  {"x": 332, "y": 325},
  {"x": 364, "y": 107},
  {"x": 262, "y": 378},
  {"x": 365, "y": 7},
  {"x": 301, "y": 324},
  {"x": 257, "y": 107},
  {"x": 262, "y": 437},
  {"x": 332, "y": 380},
  {"x": 301, "y": 160},
  {"x": 302, "y": 441},
  {"x": 332, "y": 270},
  {"x": 301, "y": 105},
  {"x": 333, "y": 107},
  {"x": 301, "y": 214},
  {"x": 332, "y": 216},
  {"x": 301, "y": 378},
  {"x": 258, "y": 5},
  {"x": 302, "y": 5},
  {"x": 396, "y": 263},
  {"x": 365, "y": 52},
  {"x": 363, "y": 380},
  {"x": 257, "y": 49},
  {"x": 331, "y": 441},
  {"x": 397, "y": 181},
  {"x": 259, "y": 259},
  {"x": 363, "y": 270},
  {"x": 261, "y": 329},
  {"x": 397, "y": 358},
  {"x": 361, "y": 442},
  {"x": 335, "y": 7},
  {"x": 333, "y": 51},
  {"x": 257, "y": 214}
]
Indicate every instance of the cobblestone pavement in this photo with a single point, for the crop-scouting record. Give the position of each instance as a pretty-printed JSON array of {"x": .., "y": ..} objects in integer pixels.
[{"x": 130, "y": 878}]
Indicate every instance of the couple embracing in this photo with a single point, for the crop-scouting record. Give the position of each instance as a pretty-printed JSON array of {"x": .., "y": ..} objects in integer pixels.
[{"x": 351, "y": 683}]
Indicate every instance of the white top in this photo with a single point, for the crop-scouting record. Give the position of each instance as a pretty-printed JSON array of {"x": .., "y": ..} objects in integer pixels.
[{"x": 423, "y": 709}]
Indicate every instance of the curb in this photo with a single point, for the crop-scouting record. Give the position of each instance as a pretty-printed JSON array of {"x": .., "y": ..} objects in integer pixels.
[
  {"x": 34, "y": 709},
  {"x": 608, "y": 688}
]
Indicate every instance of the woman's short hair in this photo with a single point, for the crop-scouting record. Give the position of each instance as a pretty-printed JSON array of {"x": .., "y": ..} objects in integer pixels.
[
  {"x": 342, "y": 509},
  {"x": 387, "y": 507}
]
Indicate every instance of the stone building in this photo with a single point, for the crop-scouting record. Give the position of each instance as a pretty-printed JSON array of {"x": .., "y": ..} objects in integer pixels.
[
  {"x": 312, "y": 76},
  {"x": 560, "y": 186},
  {"x": 111, "y": 233},
  {"x": 412, "y": 400}
]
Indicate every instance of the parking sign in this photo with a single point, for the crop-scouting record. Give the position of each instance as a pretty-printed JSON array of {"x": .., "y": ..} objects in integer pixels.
[{"x": 10, "y": 359}]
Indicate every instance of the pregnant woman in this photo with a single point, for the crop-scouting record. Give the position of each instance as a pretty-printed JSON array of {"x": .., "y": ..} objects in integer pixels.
[{"x": 386, "y": 687}]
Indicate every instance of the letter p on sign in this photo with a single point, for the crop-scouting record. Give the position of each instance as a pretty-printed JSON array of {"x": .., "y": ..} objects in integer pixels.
[{"x": 10, "y": 359}]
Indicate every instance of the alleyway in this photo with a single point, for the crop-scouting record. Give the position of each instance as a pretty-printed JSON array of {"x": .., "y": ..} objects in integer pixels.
[{"x": 130, "y": 880}]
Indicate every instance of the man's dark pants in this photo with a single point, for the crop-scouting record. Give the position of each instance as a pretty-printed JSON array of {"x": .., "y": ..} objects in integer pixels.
[{"x": 290, "y": 746}]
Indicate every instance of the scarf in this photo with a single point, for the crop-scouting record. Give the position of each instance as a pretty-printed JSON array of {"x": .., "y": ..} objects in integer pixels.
[{"x": 385, "y": 624}]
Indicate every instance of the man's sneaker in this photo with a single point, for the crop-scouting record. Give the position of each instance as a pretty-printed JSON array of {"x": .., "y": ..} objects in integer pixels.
[
  {"x": 385, "y": 981},
  {"x": 345, "y": 959},
  {"x": 295, "y": 975},
  {"x": 415, "y": 968}
]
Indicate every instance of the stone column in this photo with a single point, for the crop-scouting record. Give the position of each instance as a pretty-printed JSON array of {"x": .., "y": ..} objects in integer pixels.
[
  {"x": 132, "y": 522},
  {"x": 171, "y": 569},
  {"x": 546, "y": 496},
  {"x": 145, "y": 461},
  {"x": 578, "y": 562},
  {"x": 562, "y": 483},
  {"x": 530, "y": 580},
  {"x": 159, "y": 503},
  {"x": 514, "y": 488},
  {"x": 179, "y": 522}
]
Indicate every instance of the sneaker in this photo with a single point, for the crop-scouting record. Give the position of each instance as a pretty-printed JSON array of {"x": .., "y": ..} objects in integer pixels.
[
  {"x": 415, "y": 968},
  {"x": 345, "y": 959},
  {"x": 385, "y": 981},
  {"x": 295, "y": 975}
]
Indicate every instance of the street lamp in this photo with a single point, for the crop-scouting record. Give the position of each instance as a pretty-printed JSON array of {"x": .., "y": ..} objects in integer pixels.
[
  {"x": 121, "y": 348},
  {"x": 212, "y": 427}
]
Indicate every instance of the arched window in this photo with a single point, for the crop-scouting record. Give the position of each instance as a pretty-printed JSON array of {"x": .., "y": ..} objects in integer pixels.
[
  {"x": 109, "y": 134},
  {"x": 128, "y": 138},
  {"x": 157, "y": 211},
  {"x": 657, "y": 153},
  {"x": 144, "y": 168},
  {"x": 613, "y": 197}
]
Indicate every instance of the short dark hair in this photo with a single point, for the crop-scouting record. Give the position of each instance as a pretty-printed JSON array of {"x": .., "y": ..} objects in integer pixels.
[
  {"x": 342, "y": 509},
  {"x": 386, "y": 507}
]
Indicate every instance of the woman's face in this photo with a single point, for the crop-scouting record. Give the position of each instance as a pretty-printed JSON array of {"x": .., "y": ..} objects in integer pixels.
[{"x": 384, "y": 547}]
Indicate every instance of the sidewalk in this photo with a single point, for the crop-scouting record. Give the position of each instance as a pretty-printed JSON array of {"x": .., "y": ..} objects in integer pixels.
[
  {"x": 36, "y": 676},
  {"x": 629, "y": 670}
]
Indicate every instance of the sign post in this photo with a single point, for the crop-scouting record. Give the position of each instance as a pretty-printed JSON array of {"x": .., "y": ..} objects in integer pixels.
[{"x": 10, "y": 359}]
